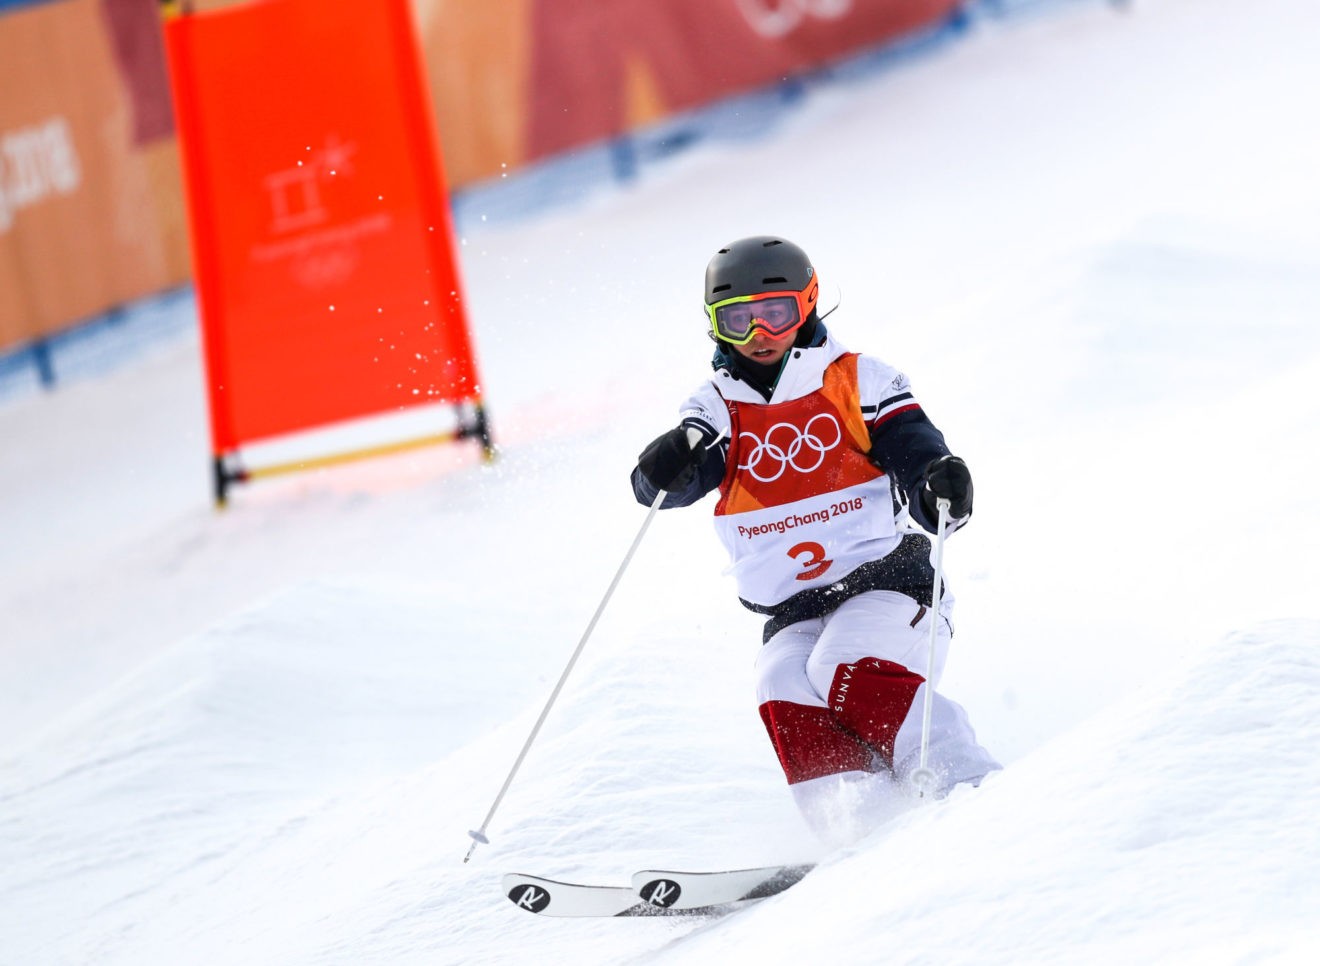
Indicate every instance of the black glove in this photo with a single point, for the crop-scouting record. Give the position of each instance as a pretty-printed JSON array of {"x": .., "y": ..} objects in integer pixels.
[
  {"x": 670, "y": 463},
  {"x": 947, "y": 477}
]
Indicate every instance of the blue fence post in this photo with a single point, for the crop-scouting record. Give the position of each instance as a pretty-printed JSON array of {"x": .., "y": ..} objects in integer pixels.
[
  {"x": 960, "y": 19},
  {"x": 44, "y": 362},
  {"x": 792, "y": 90},
  {"x": 623, "y": 158}
]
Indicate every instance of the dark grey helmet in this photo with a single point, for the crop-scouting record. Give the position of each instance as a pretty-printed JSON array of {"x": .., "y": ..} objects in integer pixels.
[{"x": 762, "y": 263}]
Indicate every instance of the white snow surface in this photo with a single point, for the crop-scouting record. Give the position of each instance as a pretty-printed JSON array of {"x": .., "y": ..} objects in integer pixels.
[{"x": 1090, "y": 238}]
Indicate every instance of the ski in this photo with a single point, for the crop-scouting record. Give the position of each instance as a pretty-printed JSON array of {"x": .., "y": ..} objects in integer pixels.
[
  {"x": 696, "y": 890},
  {"x": 654, "y": 892},
  {"x": 547, "y": 897}
]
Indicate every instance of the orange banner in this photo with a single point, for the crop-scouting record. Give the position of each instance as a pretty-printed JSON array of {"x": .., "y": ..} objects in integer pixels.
[
  {"x": 87, "y": 212},
  {"x": 601, "y": 68},
  {"x": 90, "y": 207},
  {"x": 325, "y": 266},
  {"x": 517, "y": 80}
]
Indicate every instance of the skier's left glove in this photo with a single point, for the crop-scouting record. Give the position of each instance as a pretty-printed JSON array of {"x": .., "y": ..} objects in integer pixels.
[
  {"x": 670, "y": 462},
  {"x": 947, "y": 477}
]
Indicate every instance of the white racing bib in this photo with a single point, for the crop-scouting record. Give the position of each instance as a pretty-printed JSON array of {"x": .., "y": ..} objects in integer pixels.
[
  {"x": 801, "y": 504},
  {"x": 777, "y": 551}
]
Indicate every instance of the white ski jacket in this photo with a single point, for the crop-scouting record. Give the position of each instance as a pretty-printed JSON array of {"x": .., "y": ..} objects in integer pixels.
[{"x": 817, "y": 483}]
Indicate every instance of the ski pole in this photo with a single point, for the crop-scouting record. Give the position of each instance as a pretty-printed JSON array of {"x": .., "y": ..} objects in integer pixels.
[
  {"x": 924, "y": 778},
  {"x": 479, "y": 835}
]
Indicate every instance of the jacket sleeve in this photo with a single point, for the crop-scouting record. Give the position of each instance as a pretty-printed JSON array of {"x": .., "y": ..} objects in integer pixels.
[
  {"x": 903, "y": 439},
  {"x": 903, "y": 446},
  {"x": 708, "y": 476}
]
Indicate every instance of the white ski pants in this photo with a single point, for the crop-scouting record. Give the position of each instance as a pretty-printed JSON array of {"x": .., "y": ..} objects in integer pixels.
[{"x": 842, "y": 696}]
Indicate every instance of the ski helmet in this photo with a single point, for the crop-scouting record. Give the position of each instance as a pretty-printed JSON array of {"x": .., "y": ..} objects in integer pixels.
[{"x": 762, "y": 282}]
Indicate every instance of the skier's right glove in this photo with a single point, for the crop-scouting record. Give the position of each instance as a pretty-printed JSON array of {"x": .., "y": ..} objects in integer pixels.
[
  {"x": 948, "y": 478},
  {"x": 670, "y": 463}
]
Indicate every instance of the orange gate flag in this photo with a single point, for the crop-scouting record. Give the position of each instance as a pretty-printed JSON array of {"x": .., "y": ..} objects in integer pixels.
[{"x": 323, "y": 245}]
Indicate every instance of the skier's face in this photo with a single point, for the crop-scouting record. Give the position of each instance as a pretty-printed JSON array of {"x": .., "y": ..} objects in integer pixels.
[{"x": 766, "y": 349}]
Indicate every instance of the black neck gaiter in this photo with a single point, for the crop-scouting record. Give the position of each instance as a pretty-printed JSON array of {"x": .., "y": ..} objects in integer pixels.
[{"x": 763, "y": 377}]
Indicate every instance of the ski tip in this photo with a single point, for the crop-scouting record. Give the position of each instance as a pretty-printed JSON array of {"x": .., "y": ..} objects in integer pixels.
[
  {"x": 526, "y": 895},
  {"x": 548, "y": 897}
]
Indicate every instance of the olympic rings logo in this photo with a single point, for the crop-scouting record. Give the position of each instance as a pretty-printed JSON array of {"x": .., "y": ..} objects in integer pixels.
[{"x": 784, "y": 446}]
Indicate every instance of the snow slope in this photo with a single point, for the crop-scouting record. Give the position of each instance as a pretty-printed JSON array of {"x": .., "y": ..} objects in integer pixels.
[{"x": 1090, "y": 239}]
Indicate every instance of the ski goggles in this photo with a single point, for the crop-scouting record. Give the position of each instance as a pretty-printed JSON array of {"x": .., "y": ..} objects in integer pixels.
[{"x": 777, "y": 314}]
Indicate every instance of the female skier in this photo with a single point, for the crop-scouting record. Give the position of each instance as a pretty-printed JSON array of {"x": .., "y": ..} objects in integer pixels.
[{"x": 824, "y": 462}]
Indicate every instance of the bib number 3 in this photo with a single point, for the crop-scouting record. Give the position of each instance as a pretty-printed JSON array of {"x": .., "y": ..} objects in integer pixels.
[{"x": 811, "y": 556}]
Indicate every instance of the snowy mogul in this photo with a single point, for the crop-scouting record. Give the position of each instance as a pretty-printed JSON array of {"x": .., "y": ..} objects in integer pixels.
[{"x": 828, "y": 473}]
